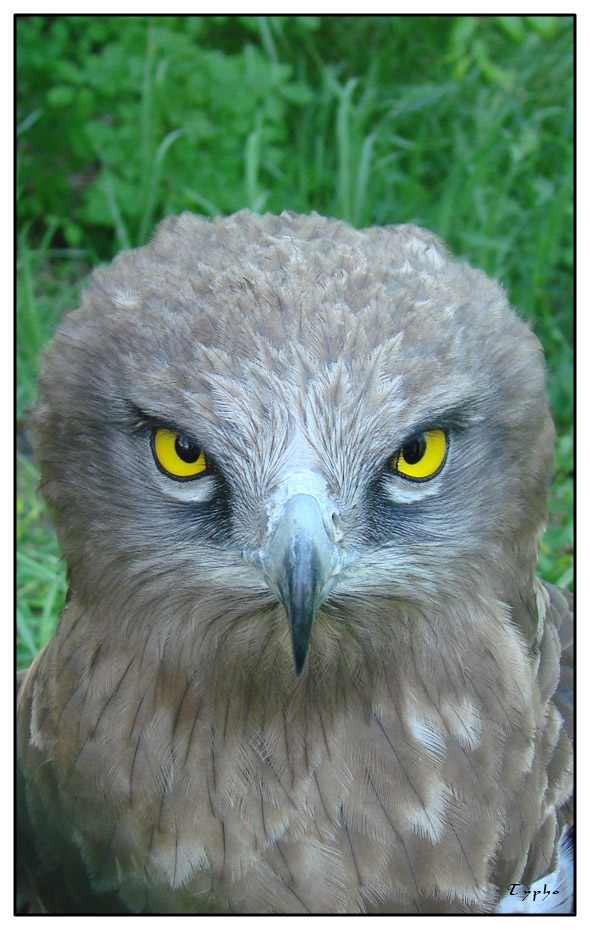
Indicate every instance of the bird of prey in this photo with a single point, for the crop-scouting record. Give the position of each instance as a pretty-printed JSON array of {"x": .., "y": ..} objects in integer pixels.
[{"x": 299, "y": 476}]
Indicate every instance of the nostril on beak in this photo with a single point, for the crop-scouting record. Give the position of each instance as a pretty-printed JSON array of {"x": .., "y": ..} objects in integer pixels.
[{"x": 336, "y": 526}]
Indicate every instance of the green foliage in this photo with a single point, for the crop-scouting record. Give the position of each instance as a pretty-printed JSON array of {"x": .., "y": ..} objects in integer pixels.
[
  {"x": 556, "y": 551},
  {"x": 462, "y": 124},
  {"x": 40, "y": 574},
  {"x": 48, "y": 286},
  {"x": 150, "y": 121}
]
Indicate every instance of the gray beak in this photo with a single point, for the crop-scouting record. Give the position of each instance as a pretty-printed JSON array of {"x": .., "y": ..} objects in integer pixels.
[{"x": 299, "y": 566}]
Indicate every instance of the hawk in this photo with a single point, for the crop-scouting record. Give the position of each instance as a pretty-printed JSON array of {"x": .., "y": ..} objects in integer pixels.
[{"x": 299, "y": 476}]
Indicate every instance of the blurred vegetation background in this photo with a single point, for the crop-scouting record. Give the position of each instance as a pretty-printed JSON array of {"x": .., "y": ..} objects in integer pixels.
[{"x": 462, "y": 124}]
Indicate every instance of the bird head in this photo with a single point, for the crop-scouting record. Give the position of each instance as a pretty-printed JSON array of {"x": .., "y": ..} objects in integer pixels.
[{"x": 253, "y": 425}]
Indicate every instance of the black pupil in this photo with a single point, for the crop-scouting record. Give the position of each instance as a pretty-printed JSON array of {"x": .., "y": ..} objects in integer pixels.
[
  {"x": 414, "y": 450},
  {"x": 185, "y": 449}
]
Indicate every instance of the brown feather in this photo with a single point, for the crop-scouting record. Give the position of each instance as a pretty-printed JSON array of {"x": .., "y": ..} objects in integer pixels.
[{"x": 170, "y": 760}]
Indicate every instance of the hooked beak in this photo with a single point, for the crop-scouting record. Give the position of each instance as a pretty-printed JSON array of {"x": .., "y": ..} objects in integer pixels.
[{"x": 300, "y": 566}]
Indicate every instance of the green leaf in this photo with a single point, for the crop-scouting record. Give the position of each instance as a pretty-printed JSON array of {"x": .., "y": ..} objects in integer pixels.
[{"x": 62, "y": 95}]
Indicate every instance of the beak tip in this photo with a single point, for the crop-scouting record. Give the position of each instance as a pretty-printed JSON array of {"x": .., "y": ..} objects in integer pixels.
[
  {"x": 299, "y": 664},
  {"x": 300, "y": 646}
]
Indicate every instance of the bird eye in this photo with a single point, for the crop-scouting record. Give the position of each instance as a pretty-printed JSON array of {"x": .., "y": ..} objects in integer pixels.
[
  {"x": 177, "y": 455},
  {"x": 422, "y": 457}
]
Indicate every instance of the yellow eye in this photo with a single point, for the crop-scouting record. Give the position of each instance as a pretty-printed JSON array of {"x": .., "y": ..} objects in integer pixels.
[
  {"x": 177, "y": 455},
  {"x": 423, "y": 456}
]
